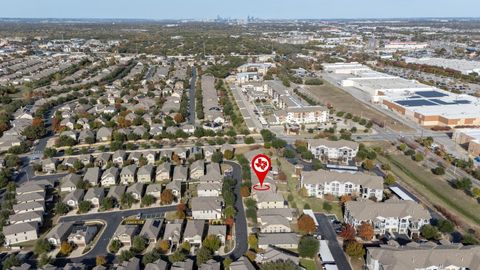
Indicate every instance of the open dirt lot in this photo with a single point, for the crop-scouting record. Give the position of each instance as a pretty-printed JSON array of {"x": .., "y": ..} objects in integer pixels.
[{"x": 343, "y": 101}]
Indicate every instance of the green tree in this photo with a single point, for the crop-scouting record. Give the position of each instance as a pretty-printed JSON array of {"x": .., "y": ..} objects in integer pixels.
[
  {"x": 446, "y": 226},
  {"x": 327, "y": 206},
  {"x": 429, "y": 232},
  {"x": 212, "y": 242},
  {"x": 279, "y": 265},
  {"x": 115, "y": 246},
  {"x": 148, "y": 200},
  {"x": 438, "y": 170},
  {"x": 139, "y": 244},
  {"x": 125, "y": 255},
  {"x": 249, "y": 140},
  {"x": 464, "y": 184},
  {"x": 41, "y": 246},
  {"x": 49, "y": 152},
  {"x": 217, "y": 157},
  {"x": 11, "y": 261},
  {"x": 418, "y": 156},
  {"x": 203, "y": 255},
  {"x": 308, "y": 246},
  {"x": 127, "y": 200},
  {"x": 61, "y": 208},
  {"x": 389, "y": 179},
  {"x": 84, "y": 207},
  {"x": 107, "y": 203}
]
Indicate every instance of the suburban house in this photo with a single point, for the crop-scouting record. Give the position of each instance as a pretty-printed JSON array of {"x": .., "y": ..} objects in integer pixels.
[
  {"x": 92, "y": 175},
  {"x": 341, "y": 151},
  {"x": 132, "y": 264},
  {"x": 218, "y": 230},
  {"x": 209, "y": 189},
  {"x": 127, "y": 176},
  {"x": 145, "y": 174},
  {"x": 104, "y": 134},
  {"x": 173, "y": 233},
  {"x": 150, "y": 156},
  {"x": 274, "y": 224},
  {"x": 125, "y": 233},
  {"x": 30, "y": 187},
  {"x": 157, "y": 265},
  {"x": 49, "y": 165},
  {"x": 59, "y": 233},
  {"x": 194, "y": 232},
  {"x": 206, "y": 207},
  {"x": 95, "y": 195},
  {"x": 208, "y": 152},
  {"x": 272, "y": 254},
  {"x": 175, "y": 187},
  {"x": 102, "y": 160},
  {"x": 35, "y": 216},
  {"x": 163, "y": 172},
  {"x": 180, "y": 173},
  {"x": 28, "y": 207},
  {"x": 31, "y": 197},
  {"x": 280, "y": 240},
  {"x": 242, "y": 264},
  {"x": 116, "y": 192},
  {"x": 136, "y": 190},
  {"x": 109, "y": 177},
  {"x": 154, "y": 189},
  {"x": 393, "y": 215},
  {"x": 269, "y": 199},
  {"x": 73, "y": 198},
  {"x": 319, "y": 183},
  {"x": 19, "y": 233},
  {"x": 119, "y": 157},
  {"x": 69, "y": 182},
  {"x": 82, "y": 235},
  {"x": 197, "y": 169},
  {"x": 283, "y": 212},
  {"x": 151, "y": 229}
]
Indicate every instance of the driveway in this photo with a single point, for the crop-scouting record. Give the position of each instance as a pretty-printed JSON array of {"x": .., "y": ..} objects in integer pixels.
[
  {"x": 112, "y": 220},
  {"x": 325, "y": 229}
]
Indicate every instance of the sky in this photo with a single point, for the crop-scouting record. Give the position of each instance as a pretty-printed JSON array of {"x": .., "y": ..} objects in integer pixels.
[{"x": 207, "y": 9}]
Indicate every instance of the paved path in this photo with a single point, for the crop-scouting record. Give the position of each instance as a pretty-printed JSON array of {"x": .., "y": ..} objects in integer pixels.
[{"x": 192, "y": 100}]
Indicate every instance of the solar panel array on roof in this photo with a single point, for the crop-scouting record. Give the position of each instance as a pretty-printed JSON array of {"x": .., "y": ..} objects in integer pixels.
[
  {"x": 441, "y": 102},
  {"x": 414, "y": 103},
  {"x": 462, "y": 101},
  {"x": 430, "y": 94}
]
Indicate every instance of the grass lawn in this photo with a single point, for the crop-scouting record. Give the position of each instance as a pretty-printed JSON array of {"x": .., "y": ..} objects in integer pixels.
[
  {"x": 343, "y": 101},
  {"x": 308, "y": 264},
  {"x": 315, "y": 203},
  {"x": 435, "y": 188}
]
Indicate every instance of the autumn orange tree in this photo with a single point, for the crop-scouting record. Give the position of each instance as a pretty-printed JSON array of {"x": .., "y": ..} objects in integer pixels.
[
  {"x": 245, "y": 191},
  {"x": 354, "y": 249},
  {"x": 167, "y": 196},
  {"x": 66, "y": 248},
  {"x": 164, "y": 246},
  {"x": 178, "y": 118},
  {"x": 345, "y": 198},
  {"x": 348, "y": 232},
  {"x": 100, "y": 260},
  {"x": 306, "y": 224},
  {"x": 365, "y": 231}
]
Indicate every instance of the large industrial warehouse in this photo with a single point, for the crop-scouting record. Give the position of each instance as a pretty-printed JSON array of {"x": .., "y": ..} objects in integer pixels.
[{"x": 426, "y": 105}]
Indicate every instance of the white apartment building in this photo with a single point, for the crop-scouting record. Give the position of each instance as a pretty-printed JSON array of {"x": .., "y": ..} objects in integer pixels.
[
  {"x": 320, "y": 183},
  {"x": 394, "y": 216},
  {"x": 327, "y": 151},
  {"x": 423, "y": 257}
]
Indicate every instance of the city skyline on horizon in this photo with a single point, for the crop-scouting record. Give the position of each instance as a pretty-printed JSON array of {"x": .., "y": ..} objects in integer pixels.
[{"x": 266, "y": 9}]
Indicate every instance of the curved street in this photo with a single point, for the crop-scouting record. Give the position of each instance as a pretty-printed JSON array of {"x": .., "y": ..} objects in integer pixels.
[{"x": 113, "y": 219}]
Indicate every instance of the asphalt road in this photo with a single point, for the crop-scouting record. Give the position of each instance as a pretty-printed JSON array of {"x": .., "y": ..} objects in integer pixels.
[
  {"x": 112, "y": 219},
  {"x": 193, "y": 81},
  {"x": 241, "y": 234},
  {"x": 325, "y": 229}
]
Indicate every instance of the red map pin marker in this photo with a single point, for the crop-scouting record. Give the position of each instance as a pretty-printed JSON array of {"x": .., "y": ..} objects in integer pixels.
[{"x": 261, "y": 164}]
